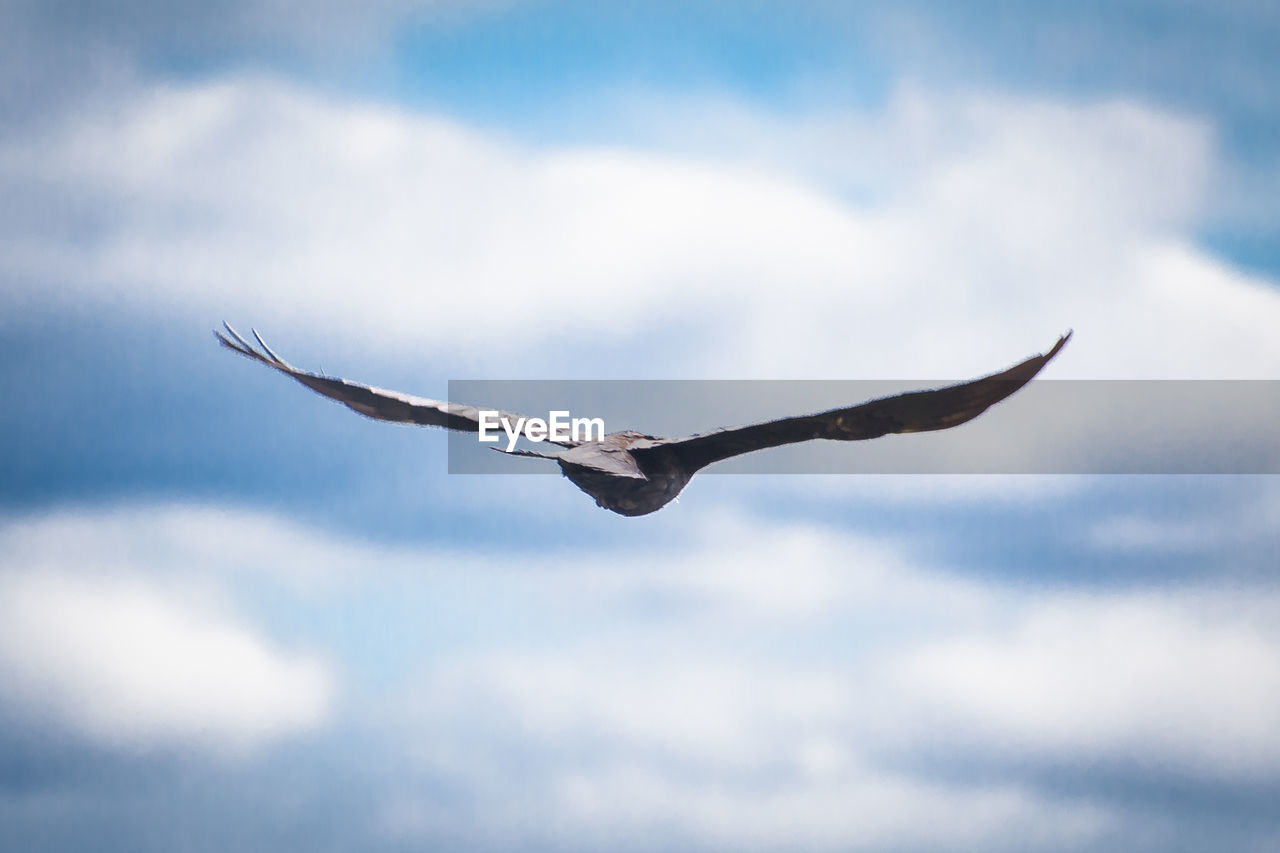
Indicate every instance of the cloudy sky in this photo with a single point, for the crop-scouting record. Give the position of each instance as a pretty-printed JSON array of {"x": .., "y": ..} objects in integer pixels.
[{"x": 236, "y": 616}]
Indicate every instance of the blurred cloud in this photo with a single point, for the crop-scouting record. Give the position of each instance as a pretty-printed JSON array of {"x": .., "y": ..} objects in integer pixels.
[
  {"x": 426, "y": 237},
  {"x": 189, "y": 543},
  {"x": 699, "y": 752},
  {"x": 736, "y": 680},
  {"x": 1159, "y": 673},
  {"x": 135, "y": 657},
  {"x": 60, "y": 52},
  {"x": 1152, "y": 165},
  {"x": 723, "y": 696},
  {"x": 1199, "y": 530}
]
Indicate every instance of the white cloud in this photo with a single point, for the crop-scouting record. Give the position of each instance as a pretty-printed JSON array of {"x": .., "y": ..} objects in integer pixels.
[
  {"x": 717, "y": 753},
  {"x": 1180, "y": 676},
  {"x": 1187, "y": 680},
  {"x": 1151, "y": 167},
  {"x": 756, "y": 709},
  {"x": 134, "y": 656},
  {"x": 723, "y": 685},
  {"x": 1250, "y": 515},
  {"x": 1139, "y": 533},
  {"x": 133, "y": 29},
  {"x": 993, "y": 225},
  {"x": 910, "y": 490},
  {"x": 197, "y": 544}
]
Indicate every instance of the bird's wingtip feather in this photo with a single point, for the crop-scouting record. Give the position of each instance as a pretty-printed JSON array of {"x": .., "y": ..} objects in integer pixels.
[
  {"x": 238, "y": 343},
  {"x": 227, "y": 342},
  {"x": 269, "y": 351},
  {"x": 1062, "y": 341}
]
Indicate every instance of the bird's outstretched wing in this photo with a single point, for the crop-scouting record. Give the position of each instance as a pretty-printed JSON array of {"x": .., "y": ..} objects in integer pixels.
[
  {"x": 376, "y": 403},
  {"x": 916, "y": 411}
]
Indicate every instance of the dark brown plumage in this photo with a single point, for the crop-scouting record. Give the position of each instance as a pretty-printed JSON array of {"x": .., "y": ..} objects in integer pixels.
[{"x": 635, "y": 474}]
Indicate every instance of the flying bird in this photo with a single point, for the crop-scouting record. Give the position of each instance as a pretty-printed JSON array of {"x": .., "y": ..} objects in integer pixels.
[{"x": 631, "y": 473}]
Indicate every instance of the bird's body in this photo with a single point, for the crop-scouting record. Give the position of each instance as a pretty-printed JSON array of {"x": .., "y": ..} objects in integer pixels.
[
  {"x": 664, "y": 476},
  {"x": 631, "y": 473}
]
